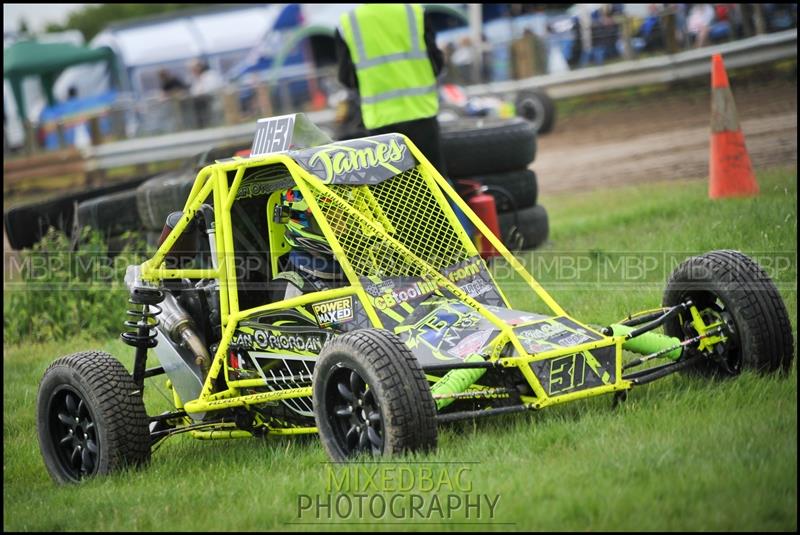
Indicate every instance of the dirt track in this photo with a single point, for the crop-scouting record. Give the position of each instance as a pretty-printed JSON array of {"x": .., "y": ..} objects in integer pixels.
[{"x": 663, "y": 137}]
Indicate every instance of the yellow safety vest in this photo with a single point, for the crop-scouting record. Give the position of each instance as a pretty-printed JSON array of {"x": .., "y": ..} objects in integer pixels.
[{"x": 395, "y": 77}]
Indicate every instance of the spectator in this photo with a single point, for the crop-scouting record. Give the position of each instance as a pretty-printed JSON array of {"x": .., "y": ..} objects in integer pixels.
[
  {"x": 528, "y": 55},
  {"x": 606, "y": 34},
  {"x": 449, "y": 75},
  {"x": 746, "y": 20},
  {"x": 602, "y": 37},
  {"x": 779, "y": 17},
  {"x": 463, "y": 60},
  {"x": 650, "y": 35},
  {"x": 698, "y": 24},
  {"x": 206, "y": 83},
  {"x": 486, "y": 59},
  {"x": 721, "y": 26},
  {"x": 206, "y": 80},
  {"x": 170, "y": 84},
  {"x": 575, "y": 52}
]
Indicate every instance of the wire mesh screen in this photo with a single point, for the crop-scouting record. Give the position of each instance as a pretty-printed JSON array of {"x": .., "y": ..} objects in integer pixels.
[{"x": 406, "y": 210}]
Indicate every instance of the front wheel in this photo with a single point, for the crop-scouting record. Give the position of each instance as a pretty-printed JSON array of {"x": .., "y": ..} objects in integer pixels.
[
  {"x": 91, "y": 418},
  {"x": 371, "y": 397},
  {"x": 729, "y": 287}
]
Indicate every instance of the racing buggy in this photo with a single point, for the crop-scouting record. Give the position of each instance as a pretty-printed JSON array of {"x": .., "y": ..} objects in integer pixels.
[{"x": 330, "y": 288}]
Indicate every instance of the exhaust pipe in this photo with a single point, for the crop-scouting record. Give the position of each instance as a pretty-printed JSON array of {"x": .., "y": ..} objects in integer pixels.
[{"x": 180, "y": 327}]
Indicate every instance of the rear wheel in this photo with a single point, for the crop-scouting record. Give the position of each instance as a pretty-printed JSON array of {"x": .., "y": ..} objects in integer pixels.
[
  {"x": 730, "y": 287},
  {"x": 371, "y": 397},
  {"x": 91, "y": 419}
]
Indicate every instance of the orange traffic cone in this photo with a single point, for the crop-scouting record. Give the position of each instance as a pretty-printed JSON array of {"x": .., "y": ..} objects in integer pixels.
[{"x": 730, "y": 170}]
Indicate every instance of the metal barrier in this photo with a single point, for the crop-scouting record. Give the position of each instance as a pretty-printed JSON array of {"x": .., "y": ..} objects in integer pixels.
[
  {"x": 233, "y": 120},
  {"x": 683, "y": 65}
]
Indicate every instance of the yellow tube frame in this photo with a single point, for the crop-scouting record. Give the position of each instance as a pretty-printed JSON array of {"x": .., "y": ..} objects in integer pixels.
[{"x": 212, "y": 180}]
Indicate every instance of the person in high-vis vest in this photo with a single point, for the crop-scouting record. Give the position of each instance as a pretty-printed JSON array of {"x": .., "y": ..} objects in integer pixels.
[{"x": 388, "y": 53}]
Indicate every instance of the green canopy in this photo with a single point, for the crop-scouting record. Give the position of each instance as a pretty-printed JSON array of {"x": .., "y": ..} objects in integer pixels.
[{"x": 46, "y": 60}]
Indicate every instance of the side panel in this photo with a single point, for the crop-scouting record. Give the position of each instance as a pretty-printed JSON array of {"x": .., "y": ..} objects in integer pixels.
[
  {"x": 576, "y": 372},
  {"x": 280, "y": 339}
]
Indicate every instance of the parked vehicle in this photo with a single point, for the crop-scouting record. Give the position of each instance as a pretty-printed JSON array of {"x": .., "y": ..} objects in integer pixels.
[{"x": 532, "y": 104}]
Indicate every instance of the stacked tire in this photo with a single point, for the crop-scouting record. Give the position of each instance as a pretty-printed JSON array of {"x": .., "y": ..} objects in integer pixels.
[
  {"x": 110, "y": 209},
  {"x": 114, "y": 216},
  {"x": 158, "y": 197},
  {"x": 167, "y": 193},
  {"x": 145, "y": 208},
  {"x": 141, "y": 210},
  {"x": 498, "y": 153}
]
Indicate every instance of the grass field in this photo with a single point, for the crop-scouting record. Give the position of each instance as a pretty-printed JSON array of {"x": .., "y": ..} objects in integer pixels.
[{"x": 681, "y": 454}]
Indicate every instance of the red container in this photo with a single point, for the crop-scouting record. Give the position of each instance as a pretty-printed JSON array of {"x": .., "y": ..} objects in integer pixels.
[{"x": 485, "y": 208}]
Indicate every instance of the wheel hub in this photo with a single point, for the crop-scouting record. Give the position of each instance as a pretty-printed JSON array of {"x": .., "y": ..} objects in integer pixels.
[
  {"x": 355, "y": 414},
  {"x": 73, "y": 433}
]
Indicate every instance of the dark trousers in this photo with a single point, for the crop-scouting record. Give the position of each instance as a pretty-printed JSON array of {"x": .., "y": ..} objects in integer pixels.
[{"x": 424, "y": 133}]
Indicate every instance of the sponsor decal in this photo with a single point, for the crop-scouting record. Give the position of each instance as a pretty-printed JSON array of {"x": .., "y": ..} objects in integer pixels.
[
  {"x": 420, "y": 288},
  {"x": 452, "y": 330},
  {"x": 253, "y": 338},
  {"x": 557, "y": 332},
  {"x": 334, "y": 311},
  {"x": 255, "y": 188},
  {"x": 471, "y": 276},
  {"x": 463, "y": 272},
  {"x": 471, "y": 344},
  {"x": 543, "y": 333},
  {"x": 369, "y": 160},
  {"x": 572, "y": 339},
  {"x": 337, "y": 161},
  {"x": 476, "y": 288},
  {"x": 377, "y": 288},
  {"x": 437, "y": 325},
  {"x": 401, "y": 295}
]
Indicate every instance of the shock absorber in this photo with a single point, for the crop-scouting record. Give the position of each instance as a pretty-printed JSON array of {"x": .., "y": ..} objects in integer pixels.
[{"x": 141, "y": 334}]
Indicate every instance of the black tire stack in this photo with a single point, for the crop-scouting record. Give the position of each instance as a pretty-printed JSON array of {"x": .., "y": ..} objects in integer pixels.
[
  {"x": 497, "y": 153},
  {"x": 158, "y": 197},
  {"x": 27, "y": 224},
  {"x": 139, "y": 206}
]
